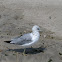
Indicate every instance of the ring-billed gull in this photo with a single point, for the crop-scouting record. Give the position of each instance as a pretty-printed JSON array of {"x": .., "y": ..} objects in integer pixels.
[{"x": 27, "y": 39}]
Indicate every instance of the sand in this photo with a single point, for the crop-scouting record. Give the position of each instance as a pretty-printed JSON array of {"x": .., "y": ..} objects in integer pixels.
[{"x": 17, "y": 17}]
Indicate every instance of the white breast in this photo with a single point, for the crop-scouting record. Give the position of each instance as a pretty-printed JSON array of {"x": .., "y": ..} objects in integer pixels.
[{"x": 35, "y": 36}]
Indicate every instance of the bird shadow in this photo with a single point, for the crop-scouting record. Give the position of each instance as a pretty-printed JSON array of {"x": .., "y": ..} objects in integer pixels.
[{"x": 29, "y": 50}]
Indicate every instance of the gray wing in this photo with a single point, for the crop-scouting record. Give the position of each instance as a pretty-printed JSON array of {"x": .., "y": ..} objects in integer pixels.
[
  {"x": 15, "y": 38},
  {"x": 26, "y": 38}
]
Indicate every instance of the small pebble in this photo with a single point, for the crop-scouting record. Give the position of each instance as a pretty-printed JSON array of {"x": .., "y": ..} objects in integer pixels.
[
  {"x": 24, "y": 31},
  {"x": 44, "y": 36},
  {"x": 49, "y": 17}
]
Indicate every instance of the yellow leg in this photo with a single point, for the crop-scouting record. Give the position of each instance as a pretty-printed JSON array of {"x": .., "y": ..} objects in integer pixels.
[
  {"x": 17, "y": 57},
  {"x": 24, "y": 52}
]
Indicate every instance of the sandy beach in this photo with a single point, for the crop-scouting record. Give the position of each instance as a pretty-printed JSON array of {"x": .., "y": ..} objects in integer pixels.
[{"x": 17, "y": 17}]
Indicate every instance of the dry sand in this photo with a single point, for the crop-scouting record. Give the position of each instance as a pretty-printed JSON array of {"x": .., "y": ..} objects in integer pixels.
[{"x": 18, "y": 16}]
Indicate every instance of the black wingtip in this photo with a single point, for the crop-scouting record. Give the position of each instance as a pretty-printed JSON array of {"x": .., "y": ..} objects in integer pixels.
[{"x": 7, "y": 41}]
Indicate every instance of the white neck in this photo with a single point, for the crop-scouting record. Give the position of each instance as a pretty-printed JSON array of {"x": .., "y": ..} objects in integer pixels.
[{"x": 35, "y": 33}]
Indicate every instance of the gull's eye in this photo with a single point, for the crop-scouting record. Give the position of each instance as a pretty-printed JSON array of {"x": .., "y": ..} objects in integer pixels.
[{"x": 38, "y": 29}]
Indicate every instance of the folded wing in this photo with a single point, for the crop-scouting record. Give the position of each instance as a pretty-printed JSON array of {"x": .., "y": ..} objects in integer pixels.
[{"x": 26, "y": 38}]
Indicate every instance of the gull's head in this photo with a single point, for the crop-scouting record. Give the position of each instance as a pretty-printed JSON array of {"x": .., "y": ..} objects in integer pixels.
[{"x": 36, "y": 28}]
